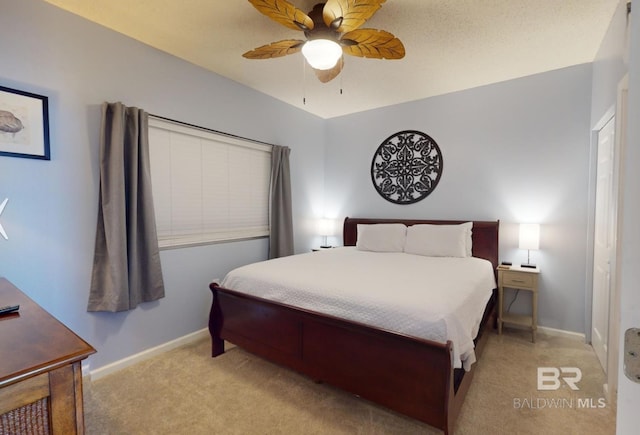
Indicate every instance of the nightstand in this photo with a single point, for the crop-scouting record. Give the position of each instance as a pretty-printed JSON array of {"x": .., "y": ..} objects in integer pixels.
[{"x": 519, "y": 278}]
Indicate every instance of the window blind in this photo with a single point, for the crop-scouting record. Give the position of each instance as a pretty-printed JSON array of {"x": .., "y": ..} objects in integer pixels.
[{"x": 207, "y": 187}]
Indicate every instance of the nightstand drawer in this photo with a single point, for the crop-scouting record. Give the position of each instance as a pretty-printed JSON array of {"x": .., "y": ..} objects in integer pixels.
[{"x": 516, "y": 279}]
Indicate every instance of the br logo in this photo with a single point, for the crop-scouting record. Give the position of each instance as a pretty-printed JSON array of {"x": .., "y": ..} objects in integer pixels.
[{"x": 549, "y": 378}]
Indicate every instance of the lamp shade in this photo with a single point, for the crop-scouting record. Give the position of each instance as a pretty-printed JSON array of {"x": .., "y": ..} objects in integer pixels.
[
  {"x": 326, "y": 227},
  {"x": 529, "y": 236},
  {"x": 322, "y": 53}
]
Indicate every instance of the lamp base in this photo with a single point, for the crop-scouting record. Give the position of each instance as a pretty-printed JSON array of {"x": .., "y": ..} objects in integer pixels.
[{"x": 528, "y": 265}]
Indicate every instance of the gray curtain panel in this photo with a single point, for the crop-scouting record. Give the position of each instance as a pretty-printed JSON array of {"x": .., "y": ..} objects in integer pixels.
[
  {"x": 280, "y": 215},
  {"x": 126, "y": 265}
]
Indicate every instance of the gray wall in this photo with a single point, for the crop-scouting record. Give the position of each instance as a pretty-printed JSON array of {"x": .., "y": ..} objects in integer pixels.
[
  {"x": 610, "y": 65},
  {"x": 51, "y": 214},
  {"x": 515, "y": 151}
]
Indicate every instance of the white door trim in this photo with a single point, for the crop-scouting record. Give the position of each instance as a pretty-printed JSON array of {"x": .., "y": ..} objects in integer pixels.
[
  {"x": 611, "y": 388},
  {"x": 619, "y": 111},
  {"x": 604, "y": 240},
  {"x": 591, "y": 206}
]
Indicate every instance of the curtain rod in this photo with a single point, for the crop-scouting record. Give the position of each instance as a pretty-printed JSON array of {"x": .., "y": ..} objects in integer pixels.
[{"x": 211, "y": 130}]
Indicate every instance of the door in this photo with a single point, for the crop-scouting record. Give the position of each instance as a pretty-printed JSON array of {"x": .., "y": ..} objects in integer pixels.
[{"x": 604, "y": 240}]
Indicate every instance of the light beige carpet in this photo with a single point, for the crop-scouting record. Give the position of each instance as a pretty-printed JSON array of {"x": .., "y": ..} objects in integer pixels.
[{"x": 185, "y": 391}]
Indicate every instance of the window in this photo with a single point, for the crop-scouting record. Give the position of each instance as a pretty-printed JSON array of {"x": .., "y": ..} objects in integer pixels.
[{"x": 207, "y": 186}]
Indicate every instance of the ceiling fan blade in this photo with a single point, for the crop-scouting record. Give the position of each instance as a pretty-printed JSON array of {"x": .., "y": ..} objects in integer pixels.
[
  {"x": 348, "y": 15},
  {"x": 326, "y": 75},
  {"x": 372, "y": 43},
  {"x": 284, "y": 13},
  {"x": 275, "y": 49}
]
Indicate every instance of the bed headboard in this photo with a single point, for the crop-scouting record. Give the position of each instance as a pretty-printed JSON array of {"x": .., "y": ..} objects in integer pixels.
[{"x": 484, "y": 234}]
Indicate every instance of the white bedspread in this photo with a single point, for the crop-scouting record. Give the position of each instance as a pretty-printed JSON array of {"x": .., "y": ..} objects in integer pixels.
[{"x": 434, "y": 298}]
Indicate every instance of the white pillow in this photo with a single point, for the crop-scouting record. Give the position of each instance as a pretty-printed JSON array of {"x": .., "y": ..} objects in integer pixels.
[
  {"x": 439, "y": 240},
  {"x": 468, "y": 226},
  {"x": 381, "y": 237}
]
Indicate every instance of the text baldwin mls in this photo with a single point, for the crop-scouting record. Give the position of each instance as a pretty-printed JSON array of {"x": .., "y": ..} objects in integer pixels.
[{"x": 558, "y": 403}]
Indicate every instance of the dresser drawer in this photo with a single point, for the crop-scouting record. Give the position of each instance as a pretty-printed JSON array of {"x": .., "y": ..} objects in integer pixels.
[{"x": 517, "y": 279}]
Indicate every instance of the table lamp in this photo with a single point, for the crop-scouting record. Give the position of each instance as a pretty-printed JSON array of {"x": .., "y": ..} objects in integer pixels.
[{"x": 529, "y": 240}]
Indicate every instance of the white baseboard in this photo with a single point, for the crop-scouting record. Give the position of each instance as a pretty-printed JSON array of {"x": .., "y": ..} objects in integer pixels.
[
  {"x": 126, "y": 362},
  {"x": 562, "y": 333}
]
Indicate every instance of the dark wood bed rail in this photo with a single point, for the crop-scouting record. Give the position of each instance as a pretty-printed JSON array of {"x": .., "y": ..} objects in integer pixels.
[{"x": 390, "y": 369}]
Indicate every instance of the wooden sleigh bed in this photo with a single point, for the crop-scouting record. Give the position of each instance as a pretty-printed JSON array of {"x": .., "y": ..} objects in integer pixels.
[{"x": 412, "y": 376}]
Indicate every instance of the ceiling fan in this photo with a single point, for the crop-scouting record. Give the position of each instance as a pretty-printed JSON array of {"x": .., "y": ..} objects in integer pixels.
[{"x": 331, "y": 30}]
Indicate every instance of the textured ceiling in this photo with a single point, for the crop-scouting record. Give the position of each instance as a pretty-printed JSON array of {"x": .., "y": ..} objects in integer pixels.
[{"x": 450, "y": 45}]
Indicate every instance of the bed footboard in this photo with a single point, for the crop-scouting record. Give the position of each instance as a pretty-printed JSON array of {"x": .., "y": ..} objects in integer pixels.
[{"x": 408, "y": 375}]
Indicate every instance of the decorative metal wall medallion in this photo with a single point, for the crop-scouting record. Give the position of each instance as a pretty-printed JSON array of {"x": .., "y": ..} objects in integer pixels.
[{"x": 406, "y": 167}]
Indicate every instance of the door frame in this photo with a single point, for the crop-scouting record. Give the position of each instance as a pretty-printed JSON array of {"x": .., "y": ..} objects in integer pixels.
[
  {"x": 611, "y": 214},
  {"x": 619, "y": 111}
]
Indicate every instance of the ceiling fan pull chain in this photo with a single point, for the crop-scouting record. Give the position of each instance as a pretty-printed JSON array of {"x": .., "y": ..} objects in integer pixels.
[{"x": 304, "y": 82}]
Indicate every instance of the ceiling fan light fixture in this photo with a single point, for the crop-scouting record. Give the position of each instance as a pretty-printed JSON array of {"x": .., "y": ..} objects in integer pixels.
[{"x": 322, "y": 54}]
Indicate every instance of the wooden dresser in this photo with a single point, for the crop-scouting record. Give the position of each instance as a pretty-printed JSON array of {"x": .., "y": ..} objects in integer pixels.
[{"x": 40, "y": 370}]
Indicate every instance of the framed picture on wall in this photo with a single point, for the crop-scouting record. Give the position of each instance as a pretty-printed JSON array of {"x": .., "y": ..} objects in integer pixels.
[{"x": 24, "y": 124}]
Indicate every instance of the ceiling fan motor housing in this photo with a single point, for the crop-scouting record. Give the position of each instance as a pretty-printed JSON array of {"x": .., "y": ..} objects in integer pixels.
[{"x": 320, "y": 29}]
